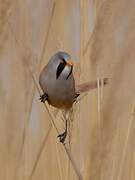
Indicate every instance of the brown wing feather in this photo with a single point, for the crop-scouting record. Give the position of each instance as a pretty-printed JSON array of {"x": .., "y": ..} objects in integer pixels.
[{"x": 89, "y": 85}]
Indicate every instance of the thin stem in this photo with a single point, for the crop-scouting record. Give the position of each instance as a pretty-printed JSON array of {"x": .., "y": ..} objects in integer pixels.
[
  {"x": 40, "y": 152},
  {"x": 126, "y": 143},
  {"x": 48, "y": 31},
  {"x": 58, "y": 160}
]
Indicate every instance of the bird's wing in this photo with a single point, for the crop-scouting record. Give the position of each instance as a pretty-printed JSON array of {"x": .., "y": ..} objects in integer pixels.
[{"x": 90, "y": 85}]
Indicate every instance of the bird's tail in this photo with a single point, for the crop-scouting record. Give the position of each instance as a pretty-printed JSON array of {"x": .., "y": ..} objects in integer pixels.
[{"x": 90, "y": 85}]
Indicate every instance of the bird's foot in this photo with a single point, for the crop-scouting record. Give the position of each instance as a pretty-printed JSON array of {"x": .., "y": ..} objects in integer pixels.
[
  {"x": 76, "y": 96},
  {"x": 62, "y": 136},
  {"x": 43, "y": 97}
]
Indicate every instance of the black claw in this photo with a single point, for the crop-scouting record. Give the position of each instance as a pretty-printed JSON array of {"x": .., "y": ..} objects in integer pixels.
[
  {"x": 76, "y": 96},
  {"x": 63, "y": 136},
  {"x": 43, "y": 97}
]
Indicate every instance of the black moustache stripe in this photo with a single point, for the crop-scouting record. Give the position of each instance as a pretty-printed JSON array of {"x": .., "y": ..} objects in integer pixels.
[
  {"x": 60, "y": 69},
  {"x": 70, "y": 72}
]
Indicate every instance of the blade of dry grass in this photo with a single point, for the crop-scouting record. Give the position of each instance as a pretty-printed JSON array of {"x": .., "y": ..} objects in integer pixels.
[
  {"x": 126, "y": 143},
  {"x": 99, "y": 104},
  {"x": 114, "y": 158},
  {"x": 70, "y": 130},
  {"x": 47, "y": 34},
  {"x": 91, "y": 36},
  {"x": 59, "y": 163},
  {"x": 87, "y": 44},
  {"x": 40, "y": 152},
  {"x": 99, "y": 87}
]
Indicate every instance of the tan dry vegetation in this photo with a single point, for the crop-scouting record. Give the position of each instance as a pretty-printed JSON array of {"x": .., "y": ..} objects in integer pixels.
[{"x": 99, "y": 34}]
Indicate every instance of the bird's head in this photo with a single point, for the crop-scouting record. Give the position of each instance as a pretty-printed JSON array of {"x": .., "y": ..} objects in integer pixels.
[{"x": 64, "y": 64}]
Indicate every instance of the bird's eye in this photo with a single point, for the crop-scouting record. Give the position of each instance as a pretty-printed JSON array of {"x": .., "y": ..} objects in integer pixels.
[{"x": 63, "y": 61}]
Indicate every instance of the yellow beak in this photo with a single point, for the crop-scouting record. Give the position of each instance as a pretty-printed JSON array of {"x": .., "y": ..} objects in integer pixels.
[{"x": 69, "y": 63}]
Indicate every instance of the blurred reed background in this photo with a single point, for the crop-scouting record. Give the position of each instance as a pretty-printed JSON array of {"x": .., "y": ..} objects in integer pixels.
[{"x": 100, "y": 36}]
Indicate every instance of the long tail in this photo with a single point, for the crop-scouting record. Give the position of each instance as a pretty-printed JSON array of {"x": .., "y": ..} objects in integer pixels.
[{"x": 90, "y": 85}]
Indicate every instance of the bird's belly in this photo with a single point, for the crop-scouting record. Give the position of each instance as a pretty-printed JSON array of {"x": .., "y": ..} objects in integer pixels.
[
  {"x": 61, "y": 99},
  {"x": 61, "y": 96},
  {"x": 60, "y": 103}
]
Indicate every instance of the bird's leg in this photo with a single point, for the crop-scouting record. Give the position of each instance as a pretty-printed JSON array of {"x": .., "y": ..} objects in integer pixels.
[
  {"x": 63, "y": 136},
  {"x": 43, "y": 97},
  {"x": 76, "y": 96}
]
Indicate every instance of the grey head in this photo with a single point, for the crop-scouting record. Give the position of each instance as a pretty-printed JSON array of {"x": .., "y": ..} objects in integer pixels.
[
  {"x": 61, "y": 64},
  {"x": 62, "y": 54}
]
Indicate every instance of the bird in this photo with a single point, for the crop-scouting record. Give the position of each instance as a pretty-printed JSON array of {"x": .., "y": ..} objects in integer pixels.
[{"x": 58, "y": 84}]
